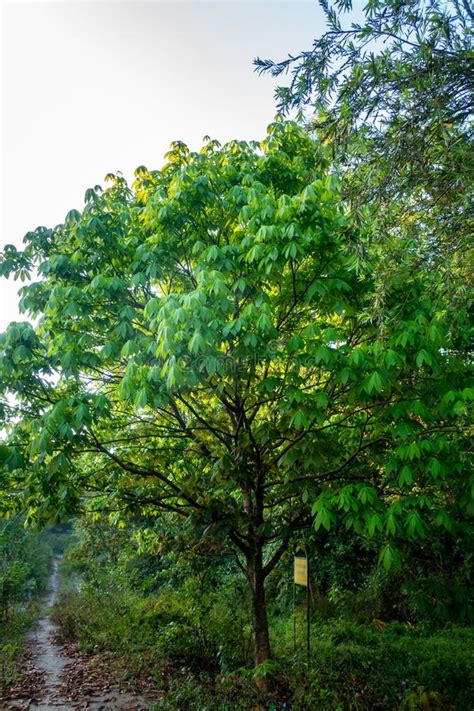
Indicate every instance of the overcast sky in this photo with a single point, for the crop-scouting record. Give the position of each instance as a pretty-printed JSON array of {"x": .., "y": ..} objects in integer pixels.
[{"x": 94, "y": 87}]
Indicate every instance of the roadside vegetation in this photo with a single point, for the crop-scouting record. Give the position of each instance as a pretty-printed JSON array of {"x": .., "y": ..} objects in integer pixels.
[
  {"x": 379, "y": 639},
  {"x": 25, "y": 561}
]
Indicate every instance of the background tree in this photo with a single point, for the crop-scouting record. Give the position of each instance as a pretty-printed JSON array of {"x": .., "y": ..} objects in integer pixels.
[
  {"x": 393, "y": 94},
  {"x": 206, "y": 347}
]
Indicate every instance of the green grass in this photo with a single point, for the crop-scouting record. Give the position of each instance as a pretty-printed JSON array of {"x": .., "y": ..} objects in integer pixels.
[{"x": 12, "y": 641}]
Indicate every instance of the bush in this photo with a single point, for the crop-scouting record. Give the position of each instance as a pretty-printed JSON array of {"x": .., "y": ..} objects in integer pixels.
[
  {"x": 206, "y": 692},
  {"x": 12, "y": 633},
  {"x": 25, "y": 559},
  {"x": 197, "y": 642},
  {"x": 360, "y": 667},
  {"x": 186, "y": 627}
]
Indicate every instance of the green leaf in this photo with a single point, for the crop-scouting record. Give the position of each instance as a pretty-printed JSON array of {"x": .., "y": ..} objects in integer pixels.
[
  {"x": 444, "y": 519},
  {"x": 126, "y": 388},
  {"x": 375, "y": 383},
  {"x": 291, "y": 251},
  {"x": 322, "y": 400},
  {"x": 152, "y": 307},
  {"x": 101, "y": 404},
  {"x": 366, "y": 494},
  {"x": 413, "y": 451},
  {"x": 265, "y": 323},
  {"x": 196, "y": 343},
  {"x": 374, "y": 524},
  {"x": 68, "y": 361},
  {"x": 72, "y": 309},
  {"x": 357, "y": 356},
  {"x": 406, "y": 476},
  {"x": 322, "y": 354},
  {"x": 388, "y": 557},
  {"x": 82, "y": 416},
  {"x": 435, "y": 467},
  {"x": 212, "y": 253},
  {"x": 129, "y": 349},
  {"x": 390, "y": 524},
  {"x": 345, "y": 375},
  {"x": 414, "y": 525},
  {"x": 299, "y": 420},
  {"x": 423, "y": 357},
  {"x": 142, "y": 398},
  {"x": 323, "y": 519}
]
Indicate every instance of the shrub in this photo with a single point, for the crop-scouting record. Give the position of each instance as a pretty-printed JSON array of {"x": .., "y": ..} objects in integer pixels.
[
  {"x": 361, "y": 667},
  {"x": 205, "y": 630}
]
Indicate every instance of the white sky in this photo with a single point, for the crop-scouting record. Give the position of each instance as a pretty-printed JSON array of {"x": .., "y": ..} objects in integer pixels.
[{"x": 94, "y": 87}]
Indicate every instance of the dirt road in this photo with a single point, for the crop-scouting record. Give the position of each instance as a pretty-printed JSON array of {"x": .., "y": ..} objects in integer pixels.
[{"x": 53, "y": 677}]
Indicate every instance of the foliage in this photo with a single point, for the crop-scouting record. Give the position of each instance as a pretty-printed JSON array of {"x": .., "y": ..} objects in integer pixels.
[
  {"x": 361, "y": 667},
  {"x": 432, "y": 584},
  {"x": 352, "y": 665},
  {"x": 190, "y": 632},
  {"x": 209, "y": 348},
  {"x": 195, "y": 615},
  {"x": 25, "y": 558},
  {"x": 258, "y": 346},
  {"x": 393, "y": 94},
  {"x": 12, "y": 641},
  {"x": 24, "y": 563}
]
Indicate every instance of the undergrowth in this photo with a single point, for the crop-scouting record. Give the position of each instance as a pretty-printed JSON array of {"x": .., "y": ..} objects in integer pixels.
[{"x": 198, "y": 650}]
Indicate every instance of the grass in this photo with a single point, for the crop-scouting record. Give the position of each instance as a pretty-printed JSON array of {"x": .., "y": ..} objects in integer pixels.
[{"x": 12, "y": 641}]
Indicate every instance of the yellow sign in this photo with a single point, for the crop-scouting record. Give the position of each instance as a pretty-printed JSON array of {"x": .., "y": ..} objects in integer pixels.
[{"x": 301, "y": 571}]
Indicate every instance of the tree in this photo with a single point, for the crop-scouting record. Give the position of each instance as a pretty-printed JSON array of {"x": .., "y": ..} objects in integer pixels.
[
  {"x": 206, "y": 347},
  {"x": 393, "y": 94}
]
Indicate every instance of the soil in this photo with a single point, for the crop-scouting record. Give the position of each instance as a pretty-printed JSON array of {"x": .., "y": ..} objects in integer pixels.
[{"x": 57, "y": 676}]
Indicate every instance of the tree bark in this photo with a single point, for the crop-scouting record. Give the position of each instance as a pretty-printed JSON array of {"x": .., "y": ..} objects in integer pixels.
[
  {"x": 260, "y": 619},
  {"x": 253, "y": 499}
]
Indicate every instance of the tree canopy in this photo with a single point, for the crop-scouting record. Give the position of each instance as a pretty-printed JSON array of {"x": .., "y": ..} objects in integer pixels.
[{"x": 208, "y": 343}]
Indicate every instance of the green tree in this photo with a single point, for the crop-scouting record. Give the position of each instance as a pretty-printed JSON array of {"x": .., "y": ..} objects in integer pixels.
[
  {"x": 25, "y": 557},
  {"x": 205, "y": 345},
  {"x": 393, "y": 94}
]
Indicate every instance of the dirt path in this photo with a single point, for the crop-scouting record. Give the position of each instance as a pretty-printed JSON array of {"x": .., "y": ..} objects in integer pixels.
[{"x": 54, "y": 677}]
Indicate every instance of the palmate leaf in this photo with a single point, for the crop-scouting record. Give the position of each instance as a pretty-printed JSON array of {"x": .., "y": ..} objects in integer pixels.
[
  {"x": 374, "y": 524},
  {"x": 374, "y": 383},
  {"x": 423, "y": 357},
  {"x": 142, "y": 398},
  {"x": 299, "y": 420},
  {"x": 406, "y": 476},
  {"x": 413, "y": 451},
  {"x": 414, "y": 525},
  {"x": 126, "y": 388},
  {"x": 324, "y": 518},
  {"x": 389, "y": 557},
  {"x": 82, "y": 416},
  {"x": 196, "y": 343}
]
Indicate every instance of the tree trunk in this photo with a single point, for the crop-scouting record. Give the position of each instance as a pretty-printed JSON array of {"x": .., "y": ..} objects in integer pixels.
[{"x": 260, "y": 620}]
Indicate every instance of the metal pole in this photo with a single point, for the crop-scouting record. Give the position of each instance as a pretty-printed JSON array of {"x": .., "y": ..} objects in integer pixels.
[
  {"x": 294, "y": 618},
  {"x": 308, "y": 628}
]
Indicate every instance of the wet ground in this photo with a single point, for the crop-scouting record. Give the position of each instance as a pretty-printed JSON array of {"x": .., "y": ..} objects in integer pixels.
[{"x": 56, "y": 677}]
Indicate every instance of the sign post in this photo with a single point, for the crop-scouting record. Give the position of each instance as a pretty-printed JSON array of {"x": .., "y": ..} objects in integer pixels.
[{"x": 301, "y": 577}]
